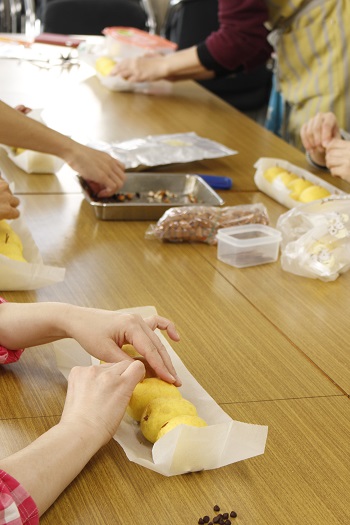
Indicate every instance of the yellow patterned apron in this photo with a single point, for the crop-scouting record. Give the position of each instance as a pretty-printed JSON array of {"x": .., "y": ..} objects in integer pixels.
[{"x": 312, "y": 42}]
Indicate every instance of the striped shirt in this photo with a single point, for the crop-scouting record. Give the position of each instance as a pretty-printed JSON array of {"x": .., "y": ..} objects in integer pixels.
[{"x": 312, "y": 42}]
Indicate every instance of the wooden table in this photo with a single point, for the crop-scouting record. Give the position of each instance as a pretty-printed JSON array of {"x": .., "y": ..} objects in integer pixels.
[{"x": 269, "y": 347}]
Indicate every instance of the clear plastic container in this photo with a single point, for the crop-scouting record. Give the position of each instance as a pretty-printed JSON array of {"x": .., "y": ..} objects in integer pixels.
[
  {"x": 248, "y": 245},
  {"x": 128, "y": 42}
]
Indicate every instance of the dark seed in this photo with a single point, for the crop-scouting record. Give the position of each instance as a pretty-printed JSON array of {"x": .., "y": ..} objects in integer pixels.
[
  {"x": 228, "y": 522},
  {"x": 206, "y": 519},
  {"x": 200, "y": 521},
  {"x": 216, "y": 508},
  {"x": 225, "y": 515},
  {"x": 233, "y": 514},
  {"x": 217, "y": 519}
]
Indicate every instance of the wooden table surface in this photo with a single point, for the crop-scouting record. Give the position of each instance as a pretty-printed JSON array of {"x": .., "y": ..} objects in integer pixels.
[{"x": 268, "y": 346}]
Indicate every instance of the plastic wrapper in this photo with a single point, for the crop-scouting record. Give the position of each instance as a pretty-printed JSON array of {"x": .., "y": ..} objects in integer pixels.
[
  {"x": 30, "y": 275},
  {"x": 91, "y": 52},
  {"x": 34, "y": 161},
  {"x": 278, "y": 190},
  {"x": 201, "y": 223},
  {"x": 159, "y": 150},
  {"x": 316, "y": 238},
  {"x": 130, "y": 42},
  {"x": 184, "y": 449}
]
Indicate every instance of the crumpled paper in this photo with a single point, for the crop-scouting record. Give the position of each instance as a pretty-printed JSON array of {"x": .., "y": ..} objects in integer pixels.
[
  {"x": 184, "y": 449},
  {"x": 35, "y": 161},
  {"x": 159, "y": 150},
  {"x": 31, "y": 275}
]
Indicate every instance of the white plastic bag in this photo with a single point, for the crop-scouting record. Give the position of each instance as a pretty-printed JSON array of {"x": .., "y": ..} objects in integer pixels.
[{"x": 316, "y": 238}]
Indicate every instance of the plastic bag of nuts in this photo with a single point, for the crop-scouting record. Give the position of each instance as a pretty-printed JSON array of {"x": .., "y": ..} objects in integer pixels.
[{"x": 201, "y": 223}]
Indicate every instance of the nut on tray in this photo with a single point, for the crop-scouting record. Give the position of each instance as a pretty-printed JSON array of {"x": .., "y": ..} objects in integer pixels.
[{"x": 146, "y": 196}]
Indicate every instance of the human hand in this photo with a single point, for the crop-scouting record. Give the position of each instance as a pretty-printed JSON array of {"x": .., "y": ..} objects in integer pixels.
[
  {"x": 338, "y": 158},
  {"x": 97, "y": 397},
  {"x": 102, "y": 334},
  {"x": 104, "y": 173},
  {"x": 317, "y": 133},
  {"x": 145, "y": 68},
  {"x": 8, "y": 202}
]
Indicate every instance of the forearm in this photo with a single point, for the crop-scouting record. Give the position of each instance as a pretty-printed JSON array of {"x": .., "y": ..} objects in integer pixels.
[
  {"x": 185, "y": 64},
  {"x": 17, "y": 130},
  {"x": 49, "y": 464},
  {"x": 24, "y": 325}
]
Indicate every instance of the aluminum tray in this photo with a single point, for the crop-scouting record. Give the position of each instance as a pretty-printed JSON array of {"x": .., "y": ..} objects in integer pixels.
[{"x": 141, "y": 209}]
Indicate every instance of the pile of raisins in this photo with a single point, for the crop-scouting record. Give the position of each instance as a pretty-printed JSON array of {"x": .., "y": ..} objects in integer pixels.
[{"x": 219, "y": 519}]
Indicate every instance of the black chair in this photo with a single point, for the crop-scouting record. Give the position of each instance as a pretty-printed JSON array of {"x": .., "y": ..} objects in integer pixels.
[
  {"x": 189, "y": 22},
  {"x": 90, "y": 17}
]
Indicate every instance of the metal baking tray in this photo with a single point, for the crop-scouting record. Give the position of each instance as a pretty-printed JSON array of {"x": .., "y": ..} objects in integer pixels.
[{"x": 184, "y": 188}]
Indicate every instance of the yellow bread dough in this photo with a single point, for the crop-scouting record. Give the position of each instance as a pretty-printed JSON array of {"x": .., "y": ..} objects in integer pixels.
[
  {"x": 297, "y": 186},
  {"x": 10, "y": 243},
  {"x": 313, "y": 193},
  {"x": 130, "y": 350},
  {"x": 271, "y": 173},
  {"x": 286, "y": 177},
  {"x": 104, "y": 65},
  {"x": 148, "y": 389},
  {"x": 193, "y": 421},
  {"x": 160, "y": 410},
  {"x": 18, "y": 151}
]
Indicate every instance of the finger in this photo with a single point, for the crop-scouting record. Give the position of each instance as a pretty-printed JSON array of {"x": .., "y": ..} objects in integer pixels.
[
  {"x": 156, "y": 354},
  {"x": 13, "y": 213},
  {"x": 317, "y": 130},
  {"x": 134, "y": 372},
  {"x": 305, "y": 137},
  {"x": 327, "y": 133},
  {"x": 14, "y": 201},
  {"x": 163, "y": 324}
]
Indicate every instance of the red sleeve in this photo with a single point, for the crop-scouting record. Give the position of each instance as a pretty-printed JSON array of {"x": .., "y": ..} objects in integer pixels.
[
  {"x": 16, "y": 505},
  {"x": 241, "y": 40},
  {"x": 8, "y": 356}
]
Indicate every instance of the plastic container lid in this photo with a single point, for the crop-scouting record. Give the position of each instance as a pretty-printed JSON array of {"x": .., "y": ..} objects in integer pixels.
[
  {"x": 139, "y": 38},
  {"x": 248, "y": 245}
]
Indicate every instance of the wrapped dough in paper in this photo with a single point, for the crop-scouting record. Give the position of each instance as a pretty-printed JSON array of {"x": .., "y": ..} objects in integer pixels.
[{"x": 183, "y": 449}]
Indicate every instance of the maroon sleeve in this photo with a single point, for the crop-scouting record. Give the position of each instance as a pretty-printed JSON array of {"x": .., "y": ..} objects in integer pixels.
[{"x": 241, "y": 40}]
